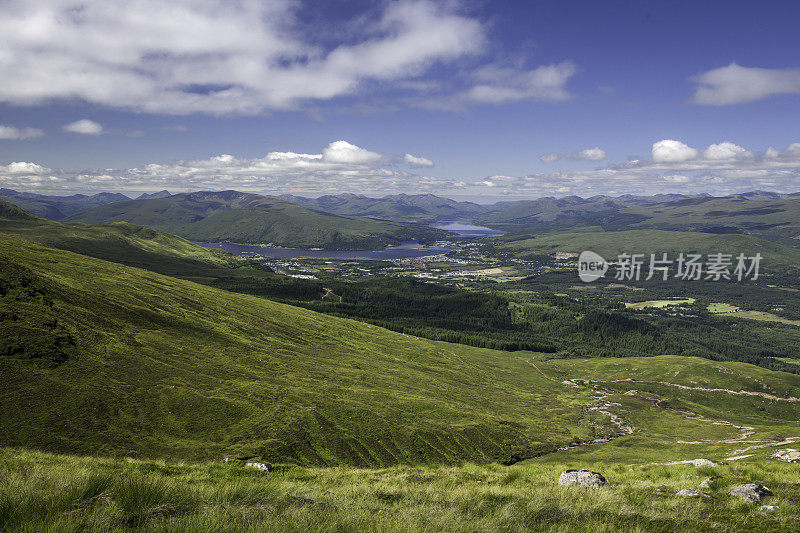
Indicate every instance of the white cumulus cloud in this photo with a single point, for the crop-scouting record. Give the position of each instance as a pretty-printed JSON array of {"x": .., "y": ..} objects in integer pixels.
[
  {"x": 589, "y": 154},
  {"x": 344, "y": 152},
  {"x": 725, "y": 151},
  {"x": 417, "y": 161},
  {"x": 735, "y": 84},
  {"x": 548, "y": 158},
  {"x": 84, "y": 127},
  {"x": 670, "y": 151},
  {"x": 500, "y": 85},
  {"x": 23, "y": 167},
  {"x": 19, "y": 134}
]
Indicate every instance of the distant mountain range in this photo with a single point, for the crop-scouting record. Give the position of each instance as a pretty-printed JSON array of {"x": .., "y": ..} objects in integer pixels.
[
  {"x": 251, "y": 218},
  {"x": 549, "y": 209},
  {"x": 398, "y": 207},
  {"x": 58, "y": 207},
  {"x": 771, "y": 215},
  {"x": 351, "y": 220},
  {"x": 159, "y": 194}
]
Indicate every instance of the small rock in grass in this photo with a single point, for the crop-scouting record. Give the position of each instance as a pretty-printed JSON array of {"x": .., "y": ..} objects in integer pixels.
[
  {"x": 704, "y": 462},
  {"x": 788, "y": 455},
  {"x": 264, "y": 467},
  {"x": 768, "y": 508},
  {"x": 751, "y": 492},
  {"x": 706, "y": 483},
  {"x": 583, "y": 478},
  {"x": 688, "y": 493}
]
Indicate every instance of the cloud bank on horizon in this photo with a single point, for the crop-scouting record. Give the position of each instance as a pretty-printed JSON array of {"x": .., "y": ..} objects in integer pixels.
[
  {"x": 672, "y": 166},
  {"x": 103, "y": 66}
]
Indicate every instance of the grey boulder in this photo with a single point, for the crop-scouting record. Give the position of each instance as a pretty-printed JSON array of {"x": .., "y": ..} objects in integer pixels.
[
  {"x": 788, "y": 455},
  {"x": 751, "y": 492},
  {"x": 582, "y": 478},
  {"x": 704, "y": 462}
]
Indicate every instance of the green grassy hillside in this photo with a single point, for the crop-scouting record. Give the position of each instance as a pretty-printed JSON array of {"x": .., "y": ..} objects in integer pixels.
[
  {"x": 547, "y": 211},
  {"x": 682, "y": 409},
  {"x": 102, "y": 358},
  {"x": 251, "y": 218},
  {"x": 775, "y": 219},
  {"x": 439, "y": 313},
  {"x": 120, "y": 242},
  {"x": 98, "y": 358},
  {"x": 610, "y": 243},
  {"x": 132, "y": 245}
]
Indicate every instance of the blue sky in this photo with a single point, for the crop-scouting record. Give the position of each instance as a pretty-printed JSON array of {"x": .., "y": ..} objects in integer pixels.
[{"x": 461, "y": 99}]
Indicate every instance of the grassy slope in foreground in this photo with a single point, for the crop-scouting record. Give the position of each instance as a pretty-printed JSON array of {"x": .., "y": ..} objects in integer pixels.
[
  {"x": 44, "y": 492},
  {"x": 102, "y": 358},
  {"x": 251, "y": 218}
]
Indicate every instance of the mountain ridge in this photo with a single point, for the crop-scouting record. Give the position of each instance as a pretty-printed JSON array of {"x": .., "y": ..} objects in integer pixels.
[
  {"x": 398, "y": 207},
  {"x": 234, "y": 216},
  {"x": 58, "y": 207}
]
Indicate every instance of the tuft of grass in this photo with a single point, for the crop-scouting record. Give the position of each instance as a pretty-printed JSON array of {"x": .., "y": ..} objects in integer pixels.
[
  {"x": 140, "y": 499},
  {"x": 90, "y": 491}
]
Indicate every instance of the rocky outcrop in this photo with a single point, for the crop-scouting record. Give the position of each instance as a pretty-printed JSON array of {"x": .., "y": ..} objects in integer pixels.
[
  {"x": 582, "y": 478},
  {"x": 751, "y": 492},
  {"x": 788, "y": 455},
  {"x": 694, "y": 462},
  {"x": 704, "y": 462}
]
